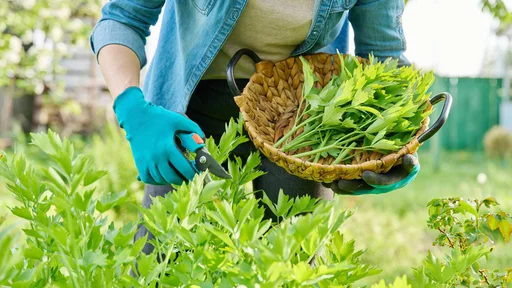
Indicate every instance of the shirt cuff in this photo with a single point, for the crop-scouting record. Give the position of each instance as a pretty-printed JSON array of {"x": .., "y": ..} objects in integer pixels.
[{"x": 109, "y": 32}]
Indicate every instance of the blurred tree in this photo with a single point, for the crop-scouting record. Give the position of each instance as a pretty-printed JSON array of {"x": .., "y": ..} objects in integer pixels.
[
  {"x": 499, "y": 10},
  {"x": 34, "y": 37}
]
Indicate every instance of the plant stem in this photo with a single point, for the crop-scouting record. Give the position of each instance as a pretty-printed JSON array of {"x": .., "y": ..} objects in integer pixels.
[
  {"x": 299, "y": 145},
  {"x": 346, "y": 136},
  {"x": 325, "y": 148},
  {"x": 293, "y": 143},
  {"x": 352, "y": 156},
  {"x": 344, "y": 153},
  {"x": 450, "y": 242},
  {"x": 304, "y": 137},
  {"x": 295, "y": 128},
  {"x": 482, "y": 272},
  {"x": 328, "y": 134}
]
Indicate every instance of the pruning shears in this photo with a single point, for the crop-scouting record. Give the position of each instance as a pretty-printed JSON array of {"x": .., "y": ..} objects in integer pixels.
[{"x": 203, "y": 160}]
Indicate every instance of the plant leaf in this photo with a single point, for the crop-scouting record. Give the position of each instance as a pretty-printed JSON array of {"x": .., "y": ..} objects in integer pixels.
[
  {"x": 369, "y": 109},
  {"x": 379, "y": 136},
  {"x": 384, "y": 144}
]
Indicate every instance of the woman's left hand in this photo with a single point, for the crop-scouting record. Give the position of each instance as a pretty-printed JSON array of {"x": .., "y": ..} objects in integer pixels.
[{"x": 374, "y": 183}]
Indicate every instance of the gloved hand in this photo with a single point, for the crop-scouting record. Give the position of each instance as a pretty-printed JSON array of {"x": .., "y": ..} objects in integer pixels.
[
  {"x": 374, "y": 183},
  {"x": 152, "y": 131}
]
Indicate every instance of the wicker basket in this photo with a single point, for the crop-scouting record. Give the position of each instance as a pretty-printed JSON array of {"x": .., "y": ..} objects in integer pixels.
[{"x": 272, "y": 96}]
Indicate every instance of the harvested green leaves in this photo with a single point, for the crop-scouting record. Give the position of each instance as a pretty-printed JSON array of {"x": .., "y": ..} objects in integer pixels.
[{"x": 374, "y": 106}]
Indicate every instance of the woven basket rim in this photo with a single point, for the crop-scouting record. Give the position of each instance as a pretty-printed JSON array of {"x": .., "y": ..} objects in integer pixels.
[{"x": 398, "y": 153}]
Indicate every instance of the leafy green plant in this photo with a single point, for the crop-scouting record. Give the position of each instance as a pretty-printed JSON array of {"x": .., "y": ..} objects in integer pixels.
[
  {"x": 498, "y": 10},
  {"x": 210, "y": 234},
  {"x": 122, "y": 174},
  {"x": 372, "y": 106},
  {"x": 468, "y": 229}
]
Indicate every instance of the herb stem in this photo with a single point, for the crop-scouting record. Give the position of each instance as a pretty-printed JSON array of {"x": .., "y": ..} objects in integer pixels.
[
  {"x": 317, "y": 156},
  {"x": 313, "y": 152},
  {"x": 335, "y": 146},
  {"x": 351, "y": 156},
  {"x": 295, "y": 128},
  {"x": 344, "y": 153}
]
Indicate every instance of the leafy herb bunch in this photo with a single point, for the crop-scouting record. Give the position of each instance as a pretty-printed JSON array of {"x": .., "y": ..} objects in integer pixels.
[{"x": 369, "y": 106}]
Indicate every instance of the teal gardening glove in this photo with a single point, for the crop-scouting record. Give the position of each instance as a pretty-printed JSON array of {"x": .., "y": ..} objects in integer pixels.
[
  {"x": 152, "y": 131},
  {"x": 373, "y": 183}
]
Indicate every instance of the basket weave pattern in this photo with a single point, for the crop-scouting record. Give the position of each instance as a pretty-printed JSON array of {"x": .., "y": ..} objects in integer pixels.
[{"x": 269, "y": 104}]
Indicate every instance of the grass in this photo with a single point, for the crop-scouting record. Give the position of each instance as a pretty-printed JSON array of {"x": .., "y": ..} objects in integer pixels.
[{"x": 392, "y": 227}]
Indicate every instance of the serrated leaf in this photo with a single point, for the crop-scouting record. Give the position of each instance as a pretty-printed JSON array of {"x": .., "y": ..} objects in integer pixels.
[
  {"x": 379, "y": 136},
  {"x": 344, "y": 94},
  {"x": 269, "y": 203},
  {"x": 209, "y": 190},
  {"x": 22, "y": 212},
  {"x": 314, "y": 100},
  {"x": 56, "y": 180},
  {"x": 123, "y": 257},
  {"x": 348, "y": 123},
  {"x": 369, "y": 109},
  {"x": 109, "y": 200},
  {"x": 360, "y": 97},
  {"x": 332, "y": 115},
  {"x": 93, "y": 259},
  {"x": 329, "y": 91},
  {"x": 468, "y": 208},
  {"x": 93, "y": 176},
  {"x": 309, "y": 79},
  {"x": 33, "y": 252},
  {"x": 146, "y": 263},
  {"x": 384, "y": 144},
  {"x": 245, "y": 208},
  {"x": 221, "y": 235},
  {"x": 284, "y": 203},
  {"x": 225, "y": 212}
]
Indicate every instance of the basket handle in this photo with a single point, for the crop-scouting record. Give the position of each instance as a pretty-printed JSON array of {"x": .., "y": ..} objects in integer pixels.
[
  {"x": 230, "y": 71},
  {"x": 442, "y": 118}
]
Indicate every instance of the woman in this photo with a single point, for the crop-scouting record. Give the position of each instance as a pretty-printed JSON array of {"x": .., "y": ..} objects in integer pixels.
[{"x": 187, "y": 75}]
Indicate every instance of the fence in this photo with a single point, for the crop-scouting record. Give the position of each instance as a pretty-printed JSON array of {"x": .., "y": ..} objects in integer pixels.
[{"x": 475, "y": 109}]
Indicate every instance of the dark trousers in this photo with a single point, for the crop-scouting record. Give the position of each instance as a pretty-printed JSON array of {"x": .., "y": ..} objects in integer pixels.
[{"x": 211, "y": 107}]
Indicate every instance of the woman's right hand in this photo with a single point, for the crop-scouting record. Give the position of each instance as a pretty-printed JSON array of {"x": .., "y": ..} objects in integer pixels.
[{"x": 152, "y": 131}]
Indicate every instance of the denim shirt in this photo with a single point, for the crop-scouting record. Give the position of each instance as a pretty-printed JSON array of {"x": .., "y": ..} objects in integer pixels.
[{"x": 193, "y": 32}]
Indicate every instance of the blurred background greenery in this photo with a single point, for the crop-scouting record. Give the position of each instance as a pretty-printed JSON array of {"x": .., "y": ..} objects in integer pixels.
[{"x": 50, "y": 79}]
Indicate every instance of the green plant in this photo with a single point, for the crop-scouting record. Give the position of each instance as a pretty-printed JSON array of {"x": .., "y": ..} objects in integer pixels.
[
  {"x": 214, "y": 234},
  {"x": 122, "y": 173},
  {"x": 210, "y": 234},
  {"x": 468, "y": 229},
  {"x": 372, "y": 106},
  {"x": 498, "y": 10}
]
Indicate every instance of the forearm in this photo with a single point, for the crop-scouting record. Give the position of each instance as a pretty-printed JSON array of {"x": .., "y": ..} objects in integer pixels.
[{"x": 120, "y": 67}]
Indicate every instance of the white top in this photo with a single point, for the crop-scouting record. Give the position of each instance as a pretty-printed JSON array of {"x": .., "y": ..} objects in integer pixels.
[{"x": 271, "y": 28}]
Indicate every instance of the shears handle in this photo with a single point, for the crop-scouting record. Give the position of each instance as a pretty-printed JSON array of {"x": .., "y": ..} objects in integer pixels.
[{"x": 191, "y": 141}]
